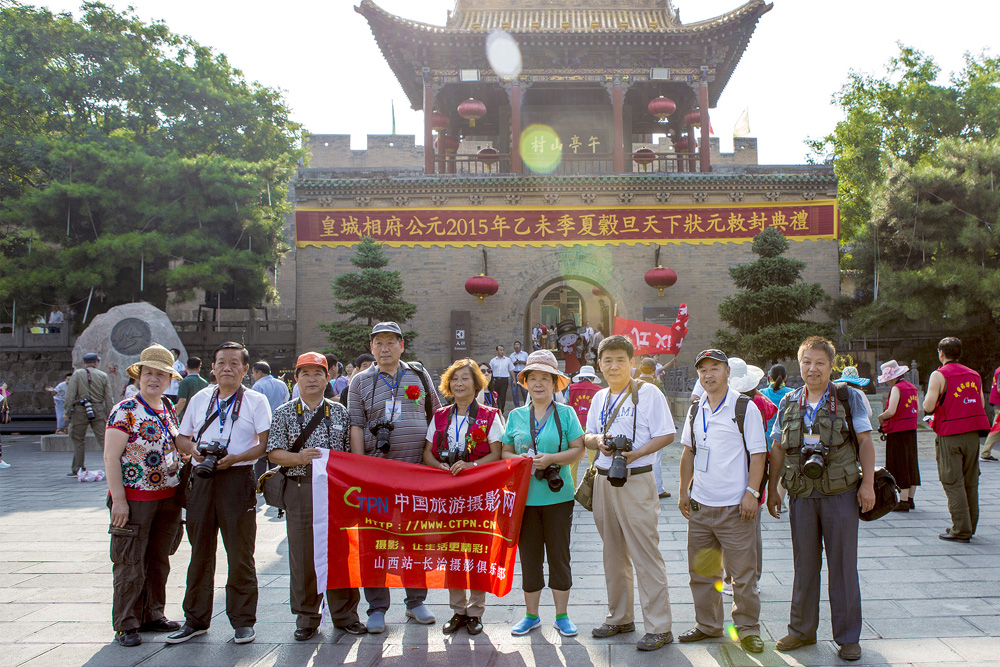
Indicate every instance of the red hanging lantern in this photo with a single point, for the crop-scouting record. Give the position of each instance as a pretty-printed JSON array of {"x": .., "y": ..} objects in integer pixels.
[
  {"x": 598, "y": 292},
  {"x": 481, "y": 286},
  {"x": 471, "y": 109},
  {"x": 644, "y": 156},
  {"x": 439, "y": 122},
  {"x": 661, "y": 278},
  {"x": 451, "y": 144},
  {"x": 662, "y": 107},
  {"x": 681, "y": 145},
  {"x": 693, "y": 118}
]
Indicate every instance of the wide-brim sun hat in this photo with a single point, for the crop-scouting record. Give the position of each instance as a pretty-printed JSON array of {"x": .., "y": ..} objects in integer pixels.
[
  {"x": 743, "y": 377},
  {"x": 587, "y": 372},
  {"x": 891, "y": 370},
  {"x": 850, "y": 376},
  {"x": 544, "y": 360},
  {"x": 154, "y": 356}
]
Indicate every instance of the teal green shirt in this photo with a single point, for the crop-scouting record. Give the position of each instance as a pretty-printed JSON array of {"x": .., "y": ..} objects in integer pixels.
[{"x": 518, "y": 436}]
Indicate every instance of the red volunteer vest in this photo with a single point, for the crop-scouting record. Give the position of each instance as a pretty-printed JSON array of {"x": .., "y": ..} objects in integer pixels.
[
  {"x": 995, "y": 389},
  {"x": 580, "y": 396},
  {"x": 483, "y": 419},
  {"x": 905, "y": 418},
  {"x": 767, "y": 410},
  {"x": 961, "y": 409}
]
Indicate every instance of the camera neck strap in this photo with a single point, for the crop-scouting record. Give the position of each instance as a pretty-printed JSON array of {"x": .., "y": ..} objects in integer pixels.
[
  {"x": 537, "y": 427},
  {"x": 232, "y": 406},
  {"x": 606, "y": 425},
  {"x": 322, "y": 414},
  {"x": 809, "y": 414}
]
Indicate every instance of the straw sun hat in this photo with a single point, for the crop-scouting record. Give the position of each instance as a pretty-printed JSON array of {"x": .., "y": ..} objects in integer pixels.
[{"x": 154, "y": 356}]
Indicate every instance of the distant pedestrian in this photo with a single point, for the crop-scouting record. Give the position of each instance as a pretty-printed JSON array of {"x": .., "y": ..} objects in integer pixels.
[
  {"x": 181, "y": 371},
  {"x": 59, "y": 400},
  {"x": 88, "y": 400},
  {"x": 192, "y": 383},
  {"x": 991, "y": 439},
  {"x": 955, "y": 398},
  {"x": 899, "y": 424},
  {"x": 518, "y": 358},
  {"x": 3, "y": 400},
  {"x": 503, "y": 369}
]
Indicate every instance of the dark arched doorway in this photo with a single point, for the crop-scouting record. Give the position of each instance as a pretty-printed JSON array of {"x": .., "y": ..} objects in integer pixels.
[{"x": 579, "y": 298}]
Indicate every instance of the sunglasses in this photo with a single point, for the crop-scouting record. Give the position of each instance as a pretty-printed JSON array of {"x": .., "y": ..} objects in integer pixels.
[{"x": 486, "y": 371}]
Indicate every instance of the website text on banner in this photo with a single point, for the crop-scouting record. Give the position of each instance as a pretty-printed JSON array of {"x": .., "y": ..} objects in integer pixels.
[
  {"x": 383, "y": 523},
  {"x": 650, "y": 338}
]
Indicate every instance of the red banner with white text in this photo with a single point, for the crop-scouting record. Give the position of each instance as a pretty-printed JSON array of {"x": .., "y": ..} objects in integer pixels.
[
  {"x": 571, "y": 225},
  {"x": 381, "y": 523},
  {"x": 649, "y": 338}
]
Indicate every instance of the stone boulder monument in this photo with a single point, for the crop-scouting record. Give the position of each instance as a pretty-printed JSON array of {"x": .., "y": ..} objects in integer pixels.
[{"x": 121, "y": 334}]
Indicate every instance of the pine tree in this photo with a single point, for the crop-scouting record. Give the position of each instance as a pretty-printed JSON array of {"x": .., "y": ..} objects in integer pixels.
[
  {"x": 368, "y": 296},
  {"x": 765, "y": 314}
]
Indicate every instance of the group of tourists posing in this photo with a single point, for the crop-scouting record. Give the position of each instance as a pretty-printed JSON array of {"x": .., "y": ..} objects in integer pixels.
[{"x": 822, "y": 454}]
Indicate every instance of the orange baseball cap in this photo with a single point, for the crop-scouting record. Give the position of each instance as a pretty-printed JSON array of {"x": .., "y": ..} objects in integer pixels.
[{"x": 312, "y": 359}]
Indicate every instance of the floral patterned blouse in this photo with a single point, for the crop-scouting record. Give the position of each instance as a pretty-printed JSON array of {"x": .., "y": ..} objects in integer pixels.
[{"x": 150, "y": 462}]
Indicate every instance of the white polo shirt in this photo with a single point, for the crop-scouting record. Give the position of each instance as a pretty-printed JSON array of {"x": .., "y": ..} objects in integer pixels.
[
  {"x": 242, "y": 434},
  {"x": 653, "y": 420},
  {"x": 720, "y": 471}
]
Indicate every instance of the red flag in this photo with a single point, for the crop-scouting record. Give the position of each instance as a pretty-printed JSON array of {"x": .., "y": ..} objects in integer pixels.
[
  {"x": 382, "y": 523},
  {"x": 650, "y": 338}
]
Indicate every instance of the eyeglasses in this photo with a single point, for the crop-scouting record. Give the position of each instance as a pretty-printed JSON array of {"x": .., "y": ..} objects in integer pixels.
[{"x": 486, "y": 371}]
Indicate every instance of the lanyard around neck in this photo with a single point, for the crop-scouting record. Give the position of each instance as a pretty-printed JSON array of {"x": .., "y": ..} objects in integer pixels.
[
  {"x": 609, "y": 410},
  {"x": 459, "y": 425},
  {"x": 704, "y": 421},
  {"x": 536, "y": 426},
  {"x": 154, "y": 413}
]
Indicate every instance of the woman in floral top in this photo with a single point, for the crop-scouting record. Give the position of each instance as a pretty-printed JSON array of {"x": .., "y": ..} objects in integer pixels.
[
  {"x": 462, "y": 435},
  {"x": 142, "y": 466}
]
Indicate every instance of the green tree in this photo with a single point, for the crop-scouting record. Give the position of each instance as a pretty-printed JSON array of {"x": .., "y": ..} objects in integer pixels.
[
  {"x": 367, "y": 297},
  {"x": 130, "y": 155},
  {"x": 764, "y": 316},
  {"x": 935, "y": 240},
  {"x": 903, "y": 114}
]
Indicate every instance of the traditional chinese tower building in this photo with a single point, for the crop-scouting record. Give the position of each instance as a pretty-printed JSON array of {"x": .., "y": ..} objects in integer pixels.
[{"x": 566, "y": 152}]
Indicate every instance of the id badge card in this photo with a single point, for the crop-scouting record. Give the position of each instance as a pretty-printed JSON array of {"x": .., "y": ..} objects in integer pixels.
[
  {"x": 701, "y": 459},
  {"x": 810, "y": 439},
  {"x": 393, "y": 411}
]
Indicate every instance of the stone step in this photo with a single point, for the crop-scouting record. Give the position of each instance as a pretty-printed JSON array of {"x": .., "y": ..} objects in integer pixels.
[{"x": 62, "y": 443}]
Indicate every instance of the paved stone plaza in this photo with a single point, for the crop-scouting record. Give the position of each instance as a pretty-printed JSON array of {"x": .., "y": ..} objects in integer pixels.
[{"x": 926, "y": 602}]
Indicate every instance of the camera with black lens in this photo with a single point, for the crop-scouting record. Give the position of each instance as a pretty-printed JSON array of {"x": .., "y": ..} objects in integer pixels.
[
  {"x": 619, "y": 444},
  {"x": 88, "y": 407},
  {"x": 551, "y": 476},
  {"x": 212, "y": 452},
  {"x": 814, "y": 459},
  {"x": 455, "y": 455},
  {"x": 381, "y": 430}
]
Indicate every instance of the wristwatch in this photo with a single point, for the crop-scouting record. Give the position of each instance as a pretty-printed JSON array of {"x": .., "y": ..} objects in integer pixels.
[{"x": 754, "y": 492}]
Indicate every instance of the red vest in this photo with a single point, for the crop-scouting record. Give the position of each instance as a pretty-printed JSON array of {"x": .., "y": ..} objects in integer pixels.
[
  {"x": 961, "y": 408},
  {"x": 767, "y": 410},
  {"x": 580, "y": 396},
  {"x": 483, "y": 419},
  {"x": 905, "y": 418},
  {"x": 995, "y": 390}
]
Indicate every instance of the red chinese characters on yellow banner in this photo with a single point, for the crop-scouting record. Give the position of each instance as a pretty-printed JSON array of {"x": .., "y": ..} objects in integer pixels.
[
  {"x": 570, "y": 226},
  {"x": 382, "y": 523}
]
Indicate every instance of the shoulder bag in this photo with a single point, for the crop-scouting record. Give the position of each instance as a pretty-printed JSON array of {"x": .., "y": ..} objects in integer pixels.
[
  {"x": 272, "y": 483},
  {"x": 886, "y": 490}
]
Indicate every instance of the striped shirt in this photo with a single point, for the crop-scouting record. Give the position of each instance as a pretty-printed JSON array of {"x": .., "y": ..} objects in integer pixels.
[{"x": 367, "y": 407}]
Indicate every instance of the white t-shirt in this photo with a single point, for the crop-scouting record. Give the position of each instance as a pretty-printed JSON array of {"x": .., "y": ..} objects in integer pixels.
[
  {"x": 654, "y": 420},
  {"x": 175, "y": 385},
  {"x": 518, "y": 360},
  {"x": 502, "y": 367},
  {"x": 720, "y": 471},
  {"x": 496, "y": 430},
  {"x": 254, "y": 418}
]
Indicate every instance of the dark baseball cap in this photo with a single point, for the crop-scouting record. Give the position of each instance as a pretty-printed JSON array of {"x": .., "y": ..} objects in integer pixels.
[
  {"x": 385, "y": 327},
  {"x": 91, "y": 358},
  {"x": 717, "y": 355}
]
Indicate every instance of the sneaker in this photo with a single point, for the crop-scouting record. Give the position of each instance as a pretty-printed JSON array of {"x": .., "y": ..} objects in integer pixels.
[
  {"x": 525, "y": 625},
  {"x": 185, "y": 633},
  {"x": 4, "y": 464},
  {"x": 244, "y": 635},
  {"x": 652, "y": 642},
  {"x": 421, "y": 614},
  {"x": 128, "y": 638},
  {"x": 376, "y": 622},
  {"x": 607, "y": 630},
  {"x": 160, "y": 625},
  {"x": 566, "y": 627},
  {"x": 355, "y": 628}
]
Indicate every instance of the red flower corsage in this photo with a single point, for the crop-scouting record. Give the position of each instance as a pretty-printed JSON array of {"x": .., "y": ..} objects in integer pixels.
[
  {"x": 476, "y": 436},
  {"x": 414, "y": 394}
]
